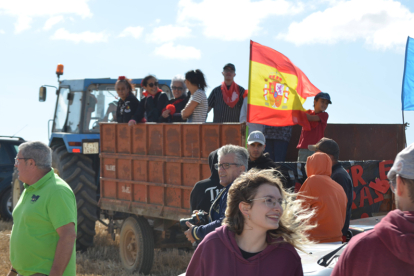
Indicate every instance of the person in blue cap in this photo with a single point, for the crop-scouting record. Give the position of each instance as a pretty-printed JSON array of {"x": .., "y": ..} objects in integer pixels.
[{"x": 318, "y": 120}]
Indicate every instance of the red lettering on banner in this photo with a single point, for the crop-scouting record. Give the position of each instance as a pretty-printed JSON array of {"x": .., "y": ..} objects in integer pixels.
[
  {"x": 365, "y": 194},
  {"x": 357, "y": 172},
  {"x": 353, "y": 198},
  {"x": 383, "y": 170},
  {"x": 379, "y": 198}
]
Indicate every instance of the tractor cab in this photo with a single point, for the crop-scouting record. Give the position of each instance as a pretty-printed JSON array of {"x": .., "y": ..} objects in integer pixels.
[{"x": 82, "y": 104}]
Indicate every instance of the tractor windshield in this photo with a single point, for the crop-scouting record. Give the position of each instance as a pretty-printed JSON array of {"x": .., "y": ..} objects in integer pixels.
[
  {"x": 100, "y": 107},
  {"x": 68, "y": 111}
]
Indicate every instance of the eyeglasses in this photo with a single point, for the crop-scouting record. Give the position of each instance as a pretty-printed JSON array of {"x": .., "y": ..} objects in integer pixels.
[
  {"x": 224, "y": 165},
  {"x": 271, "y": 202},
  {"x": 176, "y": 88},
  {"x": 152, "y": 84},
  {"x": 16, "y": 159}
]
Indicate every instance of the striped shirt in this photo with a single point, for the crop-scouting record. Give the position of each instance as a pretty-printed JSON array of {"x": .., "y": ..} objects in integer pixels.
[
  {"x": 222, "y": 112},
  {"x": 200, "y": 112}
]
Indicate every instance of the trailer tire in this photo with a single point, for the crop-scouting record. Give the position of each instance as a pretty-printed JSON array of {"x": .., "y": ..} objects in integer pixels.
[
  {"x": 76, "y": 170},
  {"x": 136, "y": 246},
  {"x": 17, "y": 187}
]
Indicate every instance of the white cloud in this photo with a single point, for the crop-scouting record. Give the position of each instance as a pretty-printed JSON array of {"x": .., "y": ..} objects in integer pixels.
[
  {"x": 170, "y": 51},
  {"x": 233, "y": 20},
  {"x": 157, "y": 20},
  {"x": 26, "y": 10},
  {"x": 88, "y": 37},
  {"x": 23, "y": 23},
  {"x": 52, "y": 21},
  {"x": 383, "y": 24},
  {"x": 168, "y": 33},
  {"x": 135, "y": 32},
  {"x": 2, "y": 32}
]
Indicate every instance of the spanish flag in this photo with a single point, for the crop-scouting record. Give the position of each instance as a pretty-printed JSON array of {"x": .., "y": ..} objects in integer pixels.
[{"x": 277, "y": 89}]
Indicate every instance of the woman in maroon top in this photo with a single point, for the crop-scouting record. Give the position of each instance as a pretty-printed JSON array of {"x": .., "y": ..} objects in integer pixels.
[{"x": 262, "y": 228}]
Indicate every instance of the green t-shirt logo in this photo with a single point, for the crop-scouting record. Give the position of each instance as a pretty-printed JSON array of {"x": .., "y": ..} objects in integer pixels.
[{"x": 35, "y": 198}]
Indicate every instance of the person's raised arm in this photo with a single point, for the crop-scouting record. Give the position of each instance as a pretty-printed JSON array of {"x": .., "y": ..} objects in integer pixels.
[{"x": 64, "y": 248}]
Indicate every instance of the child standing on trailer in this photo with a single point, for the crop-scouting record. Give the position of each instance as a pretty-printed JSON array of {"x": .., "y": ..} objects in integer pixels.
[{"x": 318, "y": 120}]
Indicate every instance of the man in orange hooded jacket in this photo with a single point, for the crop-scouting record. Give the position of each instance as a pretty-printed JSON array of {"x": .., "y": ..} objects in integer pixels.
[{"x": 326, "y": 196}]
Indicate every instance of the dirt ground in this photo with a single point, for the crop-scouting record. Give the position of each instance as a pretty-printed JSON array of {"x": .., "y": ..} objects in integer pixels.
[{"x": 103, "y": 258}]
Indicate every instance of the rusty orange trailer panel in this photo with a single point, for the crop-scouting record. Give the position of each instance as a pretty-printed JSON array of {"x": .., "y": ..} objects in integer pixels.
[{"x": 150, "y": 169}]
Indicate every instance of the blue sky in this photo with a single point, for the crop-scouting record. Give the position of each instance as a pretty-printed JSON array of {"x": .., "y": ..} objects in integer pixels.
[{"x": 353, "y": 50}]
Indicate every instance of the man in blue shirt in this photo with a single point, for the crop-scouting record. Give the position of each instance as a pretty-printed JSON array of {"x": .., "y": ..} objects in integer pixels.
[{"x": 233, "y": 161}]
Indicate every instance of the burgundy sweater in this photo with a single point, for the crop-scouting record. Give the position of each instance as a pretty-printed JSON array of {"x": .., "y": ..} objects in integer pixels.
[
  {"x": 219, "y": 254},
  {"x": 387, "y": 250}
]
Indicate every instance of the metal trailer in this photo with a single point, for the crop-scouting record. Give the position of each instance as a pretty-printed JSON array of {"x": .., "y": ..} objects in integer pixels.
[{"x": 149, "y": 170}]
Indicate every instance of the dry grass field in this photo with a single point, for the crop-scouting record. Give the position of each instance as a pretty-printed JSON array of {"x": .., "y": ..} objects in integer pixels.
[{"x": 103, "y": 258}]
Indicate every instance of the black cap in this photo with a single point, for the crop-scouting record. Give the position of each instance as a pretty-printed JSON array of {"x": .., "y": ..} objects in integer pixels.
[
  {"x": 327, "y": 146},
  {"x": 231, "y": 65},
  {"x": 323, "y": 95}
]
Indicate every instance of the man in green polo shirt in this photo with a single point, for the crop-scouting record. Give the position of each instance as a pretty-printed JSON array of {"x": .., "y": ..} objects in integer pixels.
[{"x": 44, "y": 231}]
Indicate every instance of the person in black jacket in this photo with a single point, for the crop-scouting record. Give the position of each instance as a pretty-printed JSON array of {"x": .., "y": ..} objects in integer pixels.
[
  {"x": 128, "y": 104},
  {"x": 339, "y": 174},
  {"x": 153, "y": 104},
  {"x": 205, "y": 191},
  {"x": 181, "y": 97},
  {"x": 256, "y": 146}
]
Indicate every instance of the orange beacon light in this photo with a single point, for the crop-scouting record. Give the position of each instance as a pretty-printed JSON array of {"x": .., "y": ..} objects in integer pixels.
[{"x": 59, "y": 70}]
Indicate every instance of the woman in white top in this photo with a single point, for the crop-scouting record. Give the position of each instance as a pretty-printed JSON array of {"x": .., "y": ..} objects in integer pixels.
[{"x": 196, "y": 109}]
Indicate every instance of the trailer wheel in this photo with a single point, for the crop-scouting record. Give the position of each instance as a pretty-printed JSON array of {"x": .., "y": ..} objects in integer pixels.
[
  {"x": 136, "y": 246},
  {"x": 17, "y": 187},
  {"x": 76, "y": 170}
]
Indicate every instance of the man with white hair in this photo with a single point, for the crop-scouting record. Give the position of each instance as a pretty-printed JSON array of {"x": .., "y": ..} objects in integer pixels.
[
  {"x": 388, "y": 248},
  {"x": 43, "y": 235},
  {"x": 233, "y": 161}
]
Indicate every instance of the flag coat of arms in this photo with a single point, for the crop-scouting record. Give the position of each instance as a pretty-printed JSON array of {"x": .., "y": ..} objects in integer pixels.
[{"x": 277, "y": 89}]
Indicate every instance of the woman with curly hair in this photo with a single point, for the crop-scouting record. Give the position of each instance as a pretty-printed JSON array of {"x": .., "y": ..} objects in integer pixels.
[{"x": 262, "y": 228}]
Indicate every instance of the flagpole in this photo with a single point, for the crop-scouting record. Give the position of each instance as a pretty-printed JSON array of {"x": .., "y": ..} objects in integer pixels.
[{"x": 405, "y": 137}]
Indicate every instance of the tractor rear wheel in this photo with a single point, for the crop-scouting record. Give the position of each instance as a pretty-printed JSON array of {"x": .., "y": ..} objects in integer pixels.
[{"x": 76, "y": 170}]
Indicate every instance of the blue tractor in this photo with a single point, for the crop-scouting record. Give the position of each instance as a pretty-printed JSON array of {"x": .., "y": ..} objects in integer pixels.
[{"x": 80, "y": 106}]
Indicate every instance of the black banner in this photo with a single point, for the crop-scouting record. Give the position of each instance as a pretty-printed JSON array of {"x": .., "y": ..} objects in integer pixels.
[{"x": 371, "y": 188}]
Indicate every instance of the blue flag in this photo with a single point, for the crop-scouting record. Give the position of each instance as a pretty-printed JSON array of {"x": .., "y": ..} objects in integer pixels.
[{"x": 407, "y": 95}]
